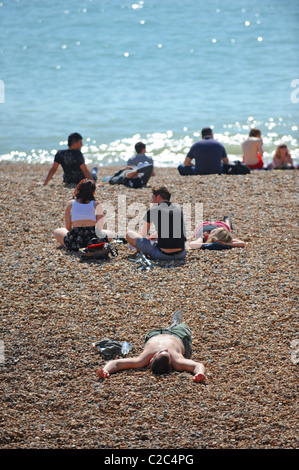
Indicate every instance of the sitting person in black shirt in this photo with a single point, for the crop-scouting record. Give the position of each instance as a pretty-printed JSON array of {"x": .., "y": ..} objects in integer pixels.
[
  {"x": 168, "y": 242},
  {"x": 72, "y": 162}
]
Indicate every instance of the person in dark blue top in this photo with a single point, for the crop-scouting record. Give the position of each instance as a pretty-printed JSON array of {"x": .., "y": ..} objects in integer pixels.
[{"x": 208, "y": 154}]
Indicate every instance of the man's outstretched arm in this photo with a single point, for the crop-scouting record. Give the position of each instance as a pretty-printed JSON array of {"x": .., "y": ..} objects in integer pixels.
[
  {"x": 125, "y": 363},
  {"x": 86, "y": 172},
  {"x": 51, "y": 173},
  {"x": 197, "y": 368}
]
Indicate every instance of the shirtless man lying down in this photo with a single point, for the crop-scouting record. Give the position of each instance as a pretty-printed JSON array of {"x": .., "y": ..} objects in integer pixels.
[{"x": 164, "y": 349}]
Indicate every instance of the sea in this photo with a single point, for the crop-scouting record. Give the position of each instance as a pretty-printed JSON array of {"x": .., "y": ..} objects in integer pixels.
[{"x": 157, "y": 71}]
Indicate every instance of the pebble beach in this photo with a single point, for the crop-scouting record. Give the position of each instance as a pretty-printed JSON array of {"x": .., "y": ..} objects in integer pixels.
[{"x": 241, "y": 306}]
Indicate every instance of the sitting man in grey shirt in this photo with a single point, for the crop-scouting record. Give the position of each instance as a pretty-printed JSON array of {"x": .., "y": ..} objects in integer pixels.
[{"x": 140, "y": 157}]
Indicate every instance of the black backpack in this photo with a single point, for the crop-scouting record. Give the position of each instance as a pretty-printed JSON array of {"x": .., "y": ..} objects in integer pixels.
[
  {"x": 237, "y": 168},
  {"x": 98, "y": 249}
]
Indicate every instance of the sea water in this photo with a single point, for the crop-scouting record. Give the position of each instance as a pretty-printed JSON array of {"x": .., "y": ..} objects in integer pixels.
[{"x": 120, "y": 71}]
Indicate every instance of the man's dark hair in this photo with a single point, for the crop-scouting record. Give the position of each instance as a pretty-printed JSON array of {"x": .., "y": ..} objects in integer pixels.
[
  {"x": 254, "y": 132},
  {"x": 163, "y": 192},
  {"x": 139, "y": 147},
  {"x": 206, "y": 131},
  {"x": 160, "y": 365},
  {"x": 73, "y": 138}
]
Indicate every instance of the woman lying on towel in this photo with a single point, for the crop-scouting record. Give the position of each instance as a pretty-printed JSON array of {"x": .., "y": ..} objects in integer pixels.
[{"x": 215, "y": 236}]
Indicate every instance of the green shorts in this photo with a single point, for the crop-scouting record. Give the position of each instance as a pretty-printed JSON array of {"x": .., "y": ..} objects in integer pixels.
[{"x": 181, "y": 331}]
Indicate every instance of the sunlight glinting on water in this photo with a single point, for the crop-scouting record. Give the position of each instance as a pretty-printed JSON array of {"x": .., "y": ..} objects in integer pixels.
[{"x": 166, "y": 148}]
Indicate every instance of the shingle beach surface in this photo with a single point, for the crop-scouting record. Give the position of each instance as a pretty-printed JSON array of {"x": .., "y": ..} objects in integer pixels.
[{"x": 241, "y": 306}]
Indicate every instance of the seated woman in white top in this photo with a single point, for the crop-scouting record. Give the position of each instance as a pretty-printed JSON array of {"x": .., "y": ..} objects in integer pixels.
[{"x": 83, "y": 214}]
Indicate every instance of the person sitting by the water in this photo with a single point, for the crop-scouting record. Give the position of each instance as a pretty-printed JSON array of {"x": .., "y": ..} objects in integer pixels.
[
  {"x": 133, "y": 176},
  {"x": 141, "y": 157},
  {"x": 215, "y": 235},
  {"x": 253, "y": 150},
  {"x": 72, "y": 162},
  {"x": 282, "y": 159},
  {"x": 208, "y": 154},
  {"x": 168, "y": 242},
  {"x": 165, "y": 349},
  {"x": 83, "y": 214}
]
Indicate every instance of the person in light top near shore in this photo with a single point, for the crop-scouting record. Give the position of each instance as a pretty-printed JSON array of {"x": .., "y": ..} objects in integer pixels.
[
  {"x": 253, "y": 150},
  {"x": 165, "y": 349},
  {"x": 282, "y": 159}
]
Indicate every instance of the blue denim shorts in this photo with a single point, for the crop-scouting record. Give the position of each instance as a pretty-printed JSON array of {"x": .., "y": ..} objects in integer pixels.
[{"x": 150, "y": 248}]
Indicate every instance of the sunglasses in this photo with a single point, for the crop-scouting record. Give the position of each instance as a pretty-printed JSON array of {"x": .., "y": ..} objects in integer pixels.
[{"x": 88, "y": 181}]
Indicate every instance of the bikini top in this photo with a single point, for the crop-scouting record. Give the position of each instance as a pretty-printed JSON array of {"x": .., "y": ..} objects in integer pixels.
[{"x": 83, "y": 211}]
